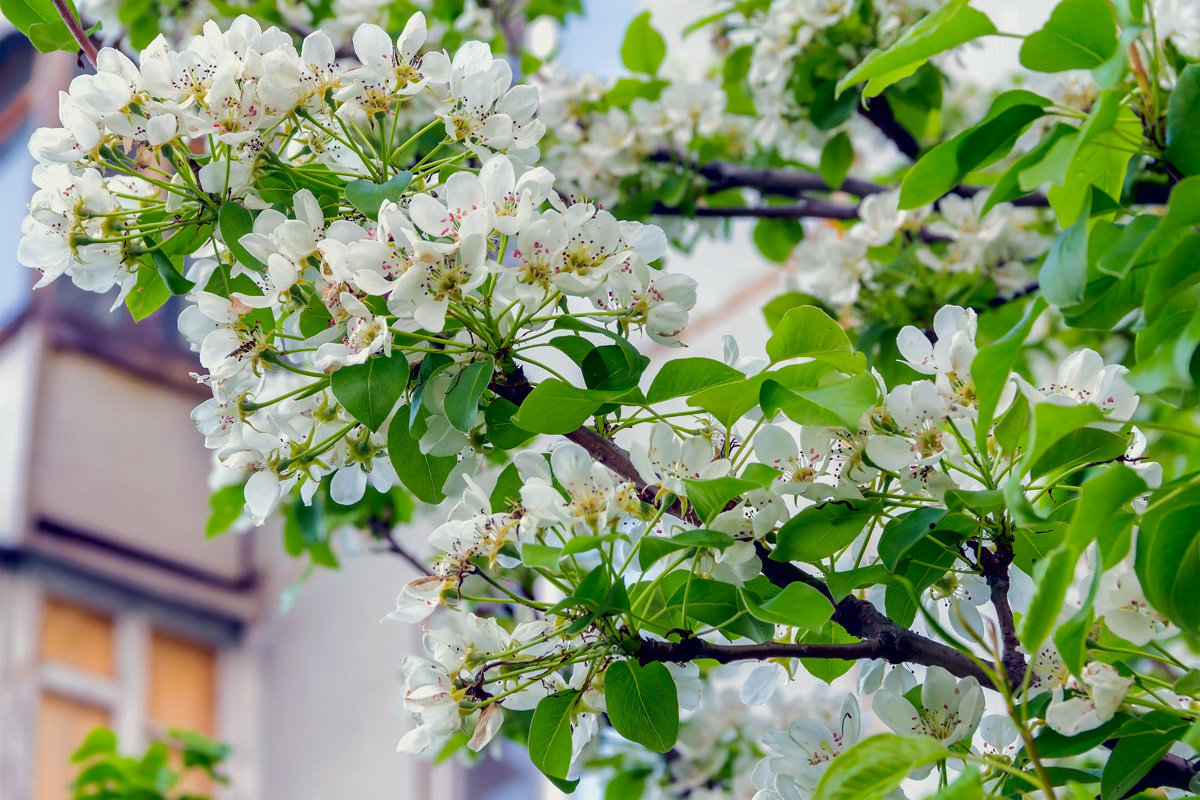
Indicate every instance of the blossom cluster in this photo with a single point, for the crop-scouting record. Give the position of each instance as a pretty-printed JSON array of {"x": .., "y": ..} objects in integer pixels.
[
  {"x": 915, "y": 444},
  {"x": 434, "y": 255}
]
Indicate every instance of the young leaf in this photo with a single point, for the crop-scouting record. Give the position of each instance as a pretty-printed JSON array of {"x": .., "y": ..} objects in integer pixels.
[
  {"x": 992, "y": 366},
  {"x": 368, "y": 196},
  {"x": 466, "y": 389},
  {"x": 873, "y": 768},
  {"x": 685, "y": 376},
  {"x": 644, "y": 48},
  {"x": 948, "y": 27},
  {"x": 820, "y": 531},
  {"x": 798, "y": 605},
  {"x": 643, "y": 704},
  {"x": 550, "y": 733},
  {"x": 557, "y": 407},
  {"x": 421, "y": 474},
  {"x": 836, "y": 157},
  {"x": 1183, "y": 122},
  {"x": 1080, "y": 34},
  {"x": 235, "y": 221},
  {"x": 808, "y": 332},
  {"x": 148, "y": 294},
  {"x": 369, "y": 391}
]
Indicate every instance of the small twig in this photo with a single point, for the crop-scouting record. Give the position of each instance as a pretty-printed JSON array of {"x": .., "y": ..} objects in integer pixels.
[{"x": 86, "y": 45}]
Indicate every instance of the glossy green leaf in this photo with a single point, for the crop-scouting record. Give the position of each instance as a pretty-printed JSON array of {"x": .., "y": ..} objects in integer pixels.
[
  {"x": 944, "y": 167},
  {"x": 423, "y": 475},
  {"x": 798, "y": 605},
  {"x": 808, "y": 332},
  {"x": 148, "y": 294},
  {"x": 235, "y": 221},
  {"x": 465, "y": 392},
  {"x": 711, "y": 496},
  {"x": 550, "y": 733},
  {"x": 836, "y": 405},
  {"x": 644, "y": 48},
  {"x": 836, "y": 157},
  {"x": 1183, "y": 122},
  {"x": 1051, "y": 578},
  {"x": 1140, "y": 746},
  {"x": 368, "y": 196},
  {"x": 992, "y": 366},
  {"x": 952, "y": 24},
  {"x": 369, "y": 391},
  {"x": 1080, "y": 34},
  {"x": 40, "y": 22},
  {"x": 557, "y": 407},
  {"x": 873, "y": 768},
  {"x": 900, "y": 534},
  {"x": 642, "y": 703},
  {"x": 686, "y": 376},
  {"x": 822, "y": 530},
  {"x": 826, "y": 669}
]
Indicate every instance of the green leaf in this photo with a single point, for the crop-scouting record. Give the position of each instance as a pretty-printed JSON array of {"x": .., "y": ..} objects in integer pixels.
[
  {"x": 776, "y": 238},
  {"x": 501, "y": 431},
  {"x": 1140, "y": 746},
  {"x": 369, "y": 391},
  {"x": 1080, "y": 34},
  {"x": 557, "y": 407},
  {"x": 798, "y": 605},
  {"x": 466, "y": 390},
  {"x": 711, "y": 496},
  {"x": 826, "y": 669},
  {"x": 148, "y": 294},
  {"x": 687, "y": 376},
  {"x": 968, "y": 786},
  {"x": 1167, "y": 560},
  {"x": 169, "y": 270},
  {"x": 226, "y": 506},
  {"x": 40, "y": 22},
  {"x": 642, "y": 703},
  {"x": 550, "y": 733},
  {"x": 1101, "y": 500},
  {"x": 368, "y": 196},
  {"x": 1064, "y": 272},
  {"x": 992, "y": 366},
  {"x": 644, "y": 48},
  {"x": 836, "y": 157},
  {"x": 944, "y": 167},
  {"x": 1183, "y": 122},
  {"x": 808, "y": 332},
  {"x": 1052, "y": 423},
  {"x": 1102, "y": 163},
  {"x": 948, "y": 27},
  {"x": 98, "y": 742},
  {"x": 235, "y": 221},
  {"x": 904, "y": 531},
  {"x": 1051, "y": 577},
  {"x": 1024, "y": 175},
  {"x": 1189, "y": 683},
  {"x": 840, "y": 404},
  {"x": 822, "y": 530},
  {"x": 421, "y": 474},
  {"x": 873, "y": 768},
  {"x": 703, "y": 538},
  {"x": 1011, "y": 430}
]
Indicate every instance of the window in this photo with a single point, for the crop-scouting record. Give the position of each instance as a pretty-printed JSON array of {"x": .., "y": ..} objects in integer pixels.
[{"x": 118, "y": 668}]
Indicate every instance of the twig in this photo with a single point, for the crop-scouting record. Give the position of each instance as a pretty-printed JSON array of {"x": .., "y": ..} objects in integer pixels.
[
  {"x": 86, "y": 45},
  {"x": 995, "y": 565}
]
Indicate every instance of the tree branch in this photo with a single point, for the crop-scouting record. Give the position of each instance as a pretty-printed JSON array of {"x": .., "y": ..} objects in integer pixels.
[
  {"x": 879, "y": 113},
  {"x": 86, "y": 45},
  {"x": 995, "y": 565},
  {"x": 859, "y": 618},
  {"x": 692, "y": 648}
]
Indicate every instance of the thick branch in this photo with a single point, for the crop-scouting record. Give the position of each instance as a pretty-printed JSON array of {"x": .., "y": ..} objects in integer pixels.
[
  {"x": 693, "y": 648},
  {"x": 86, "y": 45},
  {"x": 808, "y": 209},
  {"x": 995, "y": 565},
  {"x": 880, "y": 115}
]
